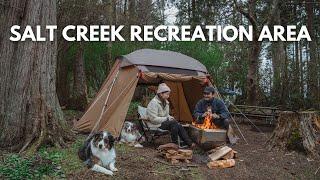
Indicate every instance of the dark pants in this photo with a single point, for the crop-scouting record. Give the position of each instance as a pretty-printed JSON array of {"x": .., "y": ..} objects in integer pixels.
[
  {"x": 176, "y": 130},
  {"x": 222, "y": 123}
]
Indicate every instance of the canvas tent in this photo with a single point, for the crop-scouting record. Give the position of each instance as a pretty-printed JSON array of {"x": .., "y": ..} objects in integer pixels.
[{"x": 184, "y": 75}]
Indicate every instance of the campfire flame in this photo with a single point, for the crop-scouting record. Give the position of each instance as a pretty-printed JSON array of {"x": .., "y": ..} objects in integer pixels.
[{"x": 207, "y": 123}]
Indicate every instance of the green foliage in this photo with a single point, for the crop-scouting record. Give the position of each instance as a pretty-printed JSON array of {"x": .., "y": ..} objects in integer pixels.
[
  {"x": 36, "y": 167},
  {"x": 207, "y": 53},
  {"x": 15, "y": 167},
  {"x": 133, "y": 109},
  {"x": 48, "y": 162}
]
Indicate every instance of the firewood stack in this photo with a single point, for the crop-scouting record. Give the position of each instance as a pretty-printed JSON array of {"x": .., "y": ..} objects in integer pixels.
[
  {"x": 173, "y": 154},
  {"x": 222, "y": 157}
]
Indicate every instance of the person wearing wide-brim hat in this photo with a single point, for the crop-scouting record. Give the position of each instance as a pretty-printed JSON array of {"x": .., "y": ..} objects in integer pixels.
[{"x": 159, "y": 117}]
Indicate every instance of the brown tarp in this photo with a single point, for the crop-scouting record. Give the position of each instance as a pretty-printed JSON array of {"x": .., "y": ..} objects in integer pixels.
[
  {"x": 116, "y": 106},
  {"x": 179, "y": 106}
]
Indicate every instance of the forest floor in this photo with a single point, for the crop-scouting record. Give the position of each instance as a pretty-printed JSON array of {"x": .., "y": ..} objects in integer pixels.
[{"x": 254, "y": 161}]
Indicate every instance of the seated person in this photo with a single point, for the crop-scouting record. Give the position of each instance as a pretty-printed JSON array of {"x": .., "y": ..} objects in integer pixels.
[
  {"x": 218, "y": 111},
  {"x": 158, "y": 114}
]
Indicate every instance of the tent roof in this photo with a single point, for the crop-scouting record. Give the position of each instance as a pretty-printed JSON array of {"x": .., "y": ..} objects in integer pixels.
[{"x": 161, "y": 58}]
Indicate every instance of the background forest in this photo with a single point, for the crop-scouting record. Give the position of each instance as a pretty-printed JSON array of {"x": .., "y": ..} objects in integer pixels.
[
  {"x": 284, "y": 74},
  {"x": 45, "y": 86}
]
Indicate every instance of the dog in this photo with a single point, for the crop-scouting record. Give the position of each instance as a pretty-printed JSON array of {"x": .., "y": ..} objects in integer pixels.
[
  {"x": 131, "y": 135},
  {"x": 98, "y": 153}
]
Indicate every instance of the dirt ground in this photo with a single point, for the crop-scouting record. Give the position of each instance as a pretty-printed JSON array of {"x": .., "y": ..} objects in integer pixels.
[{"x": 253, "y": 162}]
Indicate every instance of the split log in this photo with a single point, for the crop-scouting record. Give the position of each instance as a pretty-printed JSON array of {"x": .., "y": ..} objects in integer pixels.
[
  {"x": 168, "y": 146},
  {"x": 219, "y": 153},
  {"x": 317, "y": 123},
  {"x": 174, "y": 156},
  {"x": 172, "y": 152},
  {"x": 230, "y": 155},
  {"x": 295, "y": 130},
  {"x": 185, "y": 152},
  {"x": 177, "y": 156},
  {"x": 221, "y": 164},
  {"x": 180, "y": 154}
]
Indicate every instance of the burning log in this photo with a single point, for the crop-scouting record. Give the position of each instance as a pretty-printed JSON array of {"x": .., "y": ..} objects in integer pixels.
[{"x": 207, "y": 123}]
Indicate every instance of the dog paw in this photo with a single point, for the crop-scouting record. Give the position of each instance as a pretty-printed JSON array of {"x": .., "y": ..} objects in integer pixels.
[
  {"x": 114, "y": 169},
  {"x": 138, "y": 146}
]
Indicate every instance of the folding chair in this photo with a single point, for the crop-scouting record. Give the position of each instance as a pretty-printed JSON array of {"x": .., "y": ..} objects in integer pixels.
[
  {"x": 154, "y": 133},
  {"x": 149, "y": 132}
]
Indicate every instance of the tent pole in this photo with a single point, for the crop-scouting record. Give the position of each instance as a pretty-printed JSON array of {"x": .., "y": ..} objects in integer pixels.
[
  {"x": 105, "y": 104},
  {"x": 219, "y": 95},
  {"x": 248, "y": 119}
]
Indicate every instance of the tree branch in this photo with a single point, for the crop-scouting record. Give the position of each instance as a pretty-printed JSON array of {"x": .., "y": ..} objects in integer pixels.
[
  {"x": 272, "y": 13},
  {"x": 249, "y": 16}
]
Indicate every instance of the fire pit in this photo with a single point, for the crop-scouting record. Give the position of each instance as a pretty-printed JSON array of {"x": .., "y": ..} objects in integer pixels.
[
  {"x": 207, "y": 135},
  {"x": 207, "y": 138}
]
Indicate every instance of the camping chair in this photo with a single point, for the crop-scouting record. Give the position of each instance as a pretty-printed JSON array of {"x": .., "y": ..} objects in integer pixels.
[{"x": 153, "y": 133}]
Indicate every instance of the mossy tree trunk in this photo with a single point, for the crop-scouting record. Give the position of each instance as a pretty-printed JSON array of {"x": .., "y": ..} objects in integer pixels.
[
  {"x": 296, "y": 130},
  {"x": 30, "y": 113}
]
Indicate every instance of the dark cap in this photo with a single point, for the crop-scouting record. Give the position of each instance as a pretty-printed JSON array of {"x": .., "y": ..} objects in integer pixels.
[{"x": 208, "y": 89}]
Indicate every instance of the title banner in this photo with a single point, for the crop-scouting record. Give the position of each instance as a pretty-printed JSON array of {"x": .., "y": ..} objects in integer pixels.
[{"x": 160, "y": 33}]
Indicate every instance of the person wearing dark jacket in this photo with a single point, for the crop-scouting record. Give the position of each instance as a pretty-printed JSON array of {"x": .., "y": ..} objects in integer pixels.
[{"x": 218, "y": 111}]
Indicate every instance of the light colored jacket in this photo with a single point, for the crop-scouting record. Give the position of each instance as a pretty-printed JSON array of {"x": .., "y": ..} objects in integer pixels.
[{"x": 156, "y": 114}]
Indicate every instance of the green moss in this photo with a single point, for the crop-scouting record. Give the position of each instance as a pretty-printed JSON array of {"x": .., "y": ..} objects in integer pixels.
[
  {"x": 123, "y": 148},
  {"x": 47, "y": 163},
  {"x": 295, "y": 141}
]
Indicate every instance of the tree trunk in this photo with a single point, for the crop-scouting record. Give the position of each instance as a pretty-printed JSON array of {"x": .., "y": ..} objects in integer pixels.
[
  {"x": 296, "y": 73},
  {"x": 301, "y": 71},
  {"x": 284, "y": 76},
  {"x": 252, "y": 81},
  {"x": 132, "y": 11},
  {"x": 109, "y": 53},
  {"x": 80, "y": 95},
  {"x": 250, "y": 14},
  {"x": 114, "y": 14},
  {"x": 278, "y": 58},
  {"x": 193, "y": 10},
  {"x": 30, "y": 113},
  {"x": 296, "y": 131},
  {"x": 313, "y": 88},
  {"x": 62, "y": 76}
]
